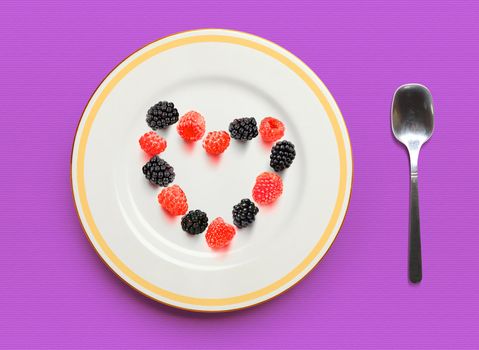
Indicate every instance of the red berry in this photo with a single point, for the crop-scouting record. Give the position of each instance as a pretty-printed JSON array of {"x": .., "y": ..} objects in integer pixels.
[
  {"x": 216, "y": 142},
  {"x": 152, "y": 143},
  {"x": 271, "y": 129},
  {"x": 219, "y": 234},
  {"x": 268, "y": 188},
  {"x": 173, "y": 200},
  {"x": 191, "y": 126}
]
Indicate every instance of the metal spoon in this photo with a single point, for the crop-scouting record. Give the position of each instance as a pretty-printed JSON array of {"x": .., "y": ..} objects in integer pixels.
[{"x": 412, "y": 119}]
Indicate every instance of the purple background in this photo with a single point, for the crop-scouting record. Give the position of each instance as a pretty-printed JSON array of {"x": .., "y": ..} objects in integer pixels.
[{"x": 54, "y": 290}]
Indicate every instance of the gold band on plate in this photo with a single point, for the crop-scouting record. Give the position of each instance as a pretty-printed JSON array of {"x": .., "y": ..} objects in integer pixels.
[{"x": 120, "y": 264}]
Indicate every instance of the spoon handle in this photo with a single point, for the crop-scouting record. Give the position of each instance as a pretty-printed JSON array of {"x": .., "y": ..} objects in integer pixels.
[{"x": 415, "y": 262}]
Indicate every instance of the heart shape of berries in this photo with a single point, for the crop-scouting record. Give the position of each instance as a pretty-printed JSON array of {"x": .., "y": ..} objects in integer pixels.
[{"x": 192, "y": 128}]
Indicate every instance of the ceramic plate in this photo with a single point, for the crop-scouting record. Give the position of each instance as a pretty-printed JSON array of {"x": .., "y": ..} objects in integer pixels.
[{"x": 223, "y": 75}]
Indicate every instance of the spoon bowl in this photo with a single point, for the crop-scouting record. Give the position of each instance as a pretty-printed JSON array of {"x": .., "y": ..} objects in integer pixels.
[{"x": 412, "y": 115}]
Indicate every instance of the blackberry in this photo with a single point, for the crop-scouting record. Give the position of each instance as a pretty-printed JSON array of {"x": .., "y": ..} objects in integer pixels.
[
  {"x": 243, "y": 129},
  {"x": 244, "y": 213},
  {"x": 282, "y": 155},
  {"x": 162, "y": 115},
  {"x": 194, "y": 222},
  {"x": 159, "y": 172}
]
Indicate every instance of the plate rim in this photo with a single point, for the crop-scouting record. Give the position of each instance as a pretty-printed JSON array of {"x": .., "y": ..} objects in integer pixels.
[{"x": 307, "y": 268}]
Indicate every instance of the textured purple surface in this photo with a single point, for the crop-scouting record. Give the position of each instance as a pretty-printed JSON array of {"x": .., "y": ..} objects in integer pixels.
[{"x": 55, "y": 292}]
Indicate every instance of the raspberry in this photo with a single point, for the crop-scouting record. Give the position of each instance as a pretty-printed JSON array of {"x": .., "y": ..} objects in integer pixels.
[
  {"x": 173, "y": 200},
  {"x": 282, "y": 155},
  {"x": 244, "y": 213},
  {"x": 162, "y": 115},
  {"x": 158, "y": 171},
  {"x": 243, "y": 129},
  {"x": 191, "y": 126},
  {"x": 271, "y": 129},
  {"x": 219, "y": 234},
  {"x": 152, "y": 143},
  {"x": 216, "y": 142},
  {"x": 268, "y": 188},
  {"x": 194, "y": 222}
]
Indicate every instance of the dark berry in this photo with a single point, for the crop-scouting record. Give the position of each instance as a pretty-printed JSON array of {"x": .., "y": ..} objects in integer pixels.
[
  {"x": 244, "y": 213},
  {"x": 162, "y": 115},
  {"x": 159, "y": 172},
  {"x": 194, "y": 222},
  {"x": 282, "y": 155},
  {"x": 243, "y": 129}
]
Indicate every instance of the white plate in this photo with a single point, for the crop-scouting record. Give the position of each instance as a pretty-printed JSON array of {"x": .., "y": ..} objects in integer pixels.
[{"x": 222, "y": 74}]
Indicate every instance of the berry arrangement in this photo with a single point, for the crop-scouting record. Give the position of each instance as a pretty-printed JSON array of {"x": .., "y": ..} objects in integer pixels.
[{"x": 191, "y": 127}]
